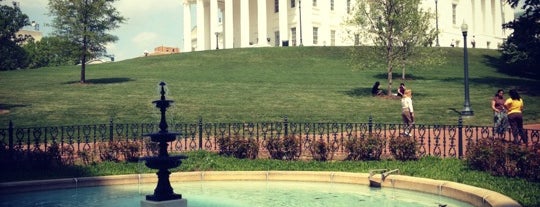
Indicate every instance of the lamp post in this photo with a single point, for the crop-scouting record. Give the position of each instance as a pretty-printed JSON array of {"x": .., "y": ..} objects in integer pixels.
[
  {"x": 467, "y": 110},
  {"x": 300, "y": 11},
  {"x": 437, "y": 23},
  {"x": 217, "y": 41}
]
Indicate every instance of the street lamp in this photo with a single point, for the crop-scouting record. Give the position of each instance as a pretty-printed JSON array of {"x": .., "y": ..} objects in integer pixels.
[
  {"x": 437, "y": 23},
  {"x": 217, "y": 41},
  {"x": 467, "y": 110}
]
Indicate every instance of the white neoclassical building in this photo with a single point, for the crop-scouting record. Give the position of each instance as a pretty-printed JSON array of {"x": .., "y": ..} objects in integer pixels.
[{"x": 250, "y": 23}]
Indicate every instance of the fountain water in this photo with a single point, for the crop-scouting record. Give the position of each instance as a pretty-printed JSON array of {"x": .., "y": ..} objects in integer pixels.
[{"x": 163, "y": 194}]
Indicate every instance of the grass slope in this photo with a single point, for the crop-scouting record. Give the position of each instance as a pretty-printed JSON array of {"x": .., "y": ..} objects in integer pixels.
[{"x": 307, "y": 84}]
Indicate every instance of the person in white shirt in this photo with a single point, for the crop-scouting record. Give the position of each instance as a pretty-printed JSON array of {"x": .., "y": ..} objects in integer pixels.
[{"x": 407, "y": 112}]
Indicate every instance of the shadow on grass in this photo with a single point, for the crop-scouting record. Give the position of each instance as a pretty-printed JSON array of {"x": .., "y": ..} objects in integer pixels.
[
  {"x": 11, "y": 106},
  {"x": 397, "y": 77},
  {"x": 358, "y": 92},
  {"x": 103, "y": 81},
  {"x": 511, "y": 70},
  {"x": 366, "y": 92},
  {"x": 526, "y": 87}
]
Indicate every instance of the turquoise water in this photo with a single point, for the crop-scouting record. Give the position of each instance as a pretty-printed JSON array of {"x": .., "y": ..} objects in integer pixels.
[{"x": 234, "y": 194}]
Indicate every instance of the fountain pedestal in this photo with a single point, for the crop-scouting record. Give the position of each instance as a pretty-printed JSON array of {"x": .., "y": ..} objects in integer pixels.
[
  {"x": 164, "y": 195},
  {"x": 169, "y": 203}
]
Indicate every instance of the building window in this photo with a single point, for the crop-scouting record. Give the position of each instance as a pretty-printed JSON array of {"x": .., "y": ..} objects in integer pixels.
[
  {"x": 356, "y": 39},
  {"x": 276, "y": 37},
  {"x": 293, "y": 36},
  {"x": 293, "y": 3},
  {"x": 331, "y": 5},
  {"x": 332, "y": 37},
  {"x": 348, "y": 6},
  {"x": 276, "y": 6},
  {"x": 314, "y": 3},
  {"x": 315, "y": 35},
  {"x": 454, "y": 7}
]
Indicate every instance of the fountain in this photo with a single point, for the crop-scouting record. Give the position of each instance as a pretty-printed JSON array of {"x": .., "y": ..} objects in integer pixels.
[{"x": 163, "y": 194}]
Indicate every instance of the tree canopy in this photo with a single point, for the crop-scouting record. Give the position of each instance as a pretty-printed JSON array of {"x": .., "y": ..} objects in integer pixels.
[
  {"x": 85, "y": 23},
  {"x": 51, "y": 51},
  {"x": 395, "y": 27},
  {"x": 522, "y": 48},
  {"x": 12, "y": 56}
]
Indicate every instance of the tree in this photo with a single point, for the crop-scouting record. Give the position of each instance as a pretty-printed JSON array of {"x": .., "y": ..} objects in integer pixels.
[
  {"x": 522, "y": 48},
  {"x": 85, "y": 23},
  {"x": 51, "y": 51},
  {"x": 396, "y": 28},
  {"x": 12, "y": 56}
]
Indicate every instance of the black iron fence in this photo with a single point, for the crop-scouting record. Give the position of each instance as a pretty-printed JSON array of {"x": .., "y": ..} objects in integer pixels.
[{"x": 434, "y": 140}]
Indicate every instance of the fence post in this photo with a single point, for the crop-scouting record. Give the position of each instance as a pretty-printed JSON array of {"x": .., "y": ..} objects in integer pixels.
[
  {"x": 10, "y": 135},
  {"x": 286, "y": 125},
  {"x": 370, "y": 125},
  {"x": 200, "y": 133},
  {"x": 111, "y": 129},
  {"x": 460, "y": 137}
]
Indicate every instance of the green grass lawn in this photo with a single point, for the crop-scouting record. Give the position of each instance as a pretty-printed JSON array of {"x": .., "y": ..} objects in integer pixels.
[{"x": 307, "y": 84}]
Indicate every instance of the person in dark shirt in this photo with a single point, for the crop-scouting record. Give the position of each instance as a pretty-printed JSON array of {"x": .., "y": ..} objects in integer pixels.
[{"x": 375, "y": 90}]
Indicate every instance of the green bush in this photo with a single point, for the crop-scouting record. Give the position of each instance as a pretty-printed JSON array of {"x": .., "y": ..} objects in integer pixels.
[
  {"x": 287, "y": 148},
  {"x": 403, "y": 148},
  {"x": 238, "y": 147},
  {"x": 369, "y": 148},
  {"x": 502, "y": 158},
  {"x": 320, "y": 150},
  {"x": 110, "y": 151}
]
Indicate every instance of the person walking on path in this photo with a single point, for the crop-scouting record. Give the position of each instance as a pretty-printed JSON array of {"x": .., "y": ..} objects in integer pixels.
[
  {"x": 500, "y": 120},
  {"x": 407, "y": 112},
  {"x": 514, "y": 106}
]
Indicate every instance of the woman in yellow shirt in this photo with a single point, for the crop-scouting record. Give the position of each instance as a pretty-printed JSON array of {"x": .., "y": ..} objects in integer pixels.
[{"x": 514, "y": 106}]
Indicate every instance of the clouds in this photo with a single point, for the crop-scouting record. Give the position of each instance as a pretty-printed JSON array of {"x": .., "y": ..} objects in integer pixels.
[{"x": 149, "y": 24}]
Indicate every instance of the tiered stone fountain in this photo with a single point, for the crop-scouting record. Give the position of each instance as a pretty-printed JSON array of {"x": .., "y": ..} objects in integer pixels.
[{"x": 164, "y": 195}]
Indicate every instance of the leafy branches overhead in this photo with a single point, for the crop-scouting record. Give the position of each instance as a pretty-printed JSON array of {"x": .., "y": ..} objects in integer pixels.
[
  {"x": 396, "y": 28},
  {"x": 85, "y": 23},
  {"x": 522, "y": 48},
  {"x": 12, "y": 56}
]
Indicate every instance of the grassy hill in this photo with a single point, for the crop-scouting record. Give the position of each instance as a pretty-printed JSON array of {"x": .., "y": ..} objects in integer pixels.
[{"x": 307, "y": 84}]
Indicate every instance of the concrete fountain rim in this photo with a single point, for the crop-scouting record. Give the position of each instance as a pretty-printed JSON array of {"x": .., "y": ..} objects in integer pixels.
[{"x": 470, "y": 194}]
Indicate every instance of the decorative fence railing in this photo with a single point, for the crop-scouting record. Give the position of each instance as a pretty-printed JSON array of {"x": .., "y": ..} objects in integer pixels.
[{"x": 434, "y": 140}]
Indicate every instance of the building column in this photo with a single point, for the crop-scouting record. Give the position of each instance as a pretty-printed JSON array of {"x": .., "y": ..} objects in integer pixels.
[
  {"x": 229, "y": 24},
  {"x": 213, "y": 24},
  {"x": 262, "y": 23},
  {"x": 498, "y": 20},
  {"x": 489, "y": 17},
  {"x": 244, "y": 25},
  {"x": 201, "y": 33},
  {"x": 283, "y": 22},
  {"x": 187, "y": 26}
]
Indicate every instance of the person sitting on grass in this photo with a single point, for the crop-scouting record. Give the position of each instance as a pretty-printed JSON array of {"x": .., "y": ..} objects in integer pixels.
[{"x": 375, "y": 90}]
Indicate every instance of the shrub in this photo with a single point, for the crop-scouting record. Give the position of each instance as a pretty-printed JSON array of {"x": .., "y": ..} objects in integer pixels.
[
  {"x": 131, "y": 150},
  {"x": 87, "y": 156},
  {"x": 502, "y": 158},
  {"x": 370, "y": 148},
  {"x": 403, "y": 148},
  {"x": 238, "y": 147},
  {"x": 287, "y": 148},
  {"x": 320, "y": 150},
  {"x": 110, "y": 151}
]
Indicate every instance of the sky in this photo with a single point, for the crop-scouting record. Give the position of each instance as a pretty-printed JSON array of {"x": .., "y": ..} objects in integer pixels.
[{"x": 150, "y": 24}]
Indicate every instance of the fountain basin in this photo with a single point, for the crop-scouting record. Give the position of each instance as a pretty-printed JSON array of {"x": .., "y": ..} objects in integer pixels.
[
  {"x": 164, "y": 162},
  {"x": 469, "y": 194},
  {"x": 163, "y": 136}
]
